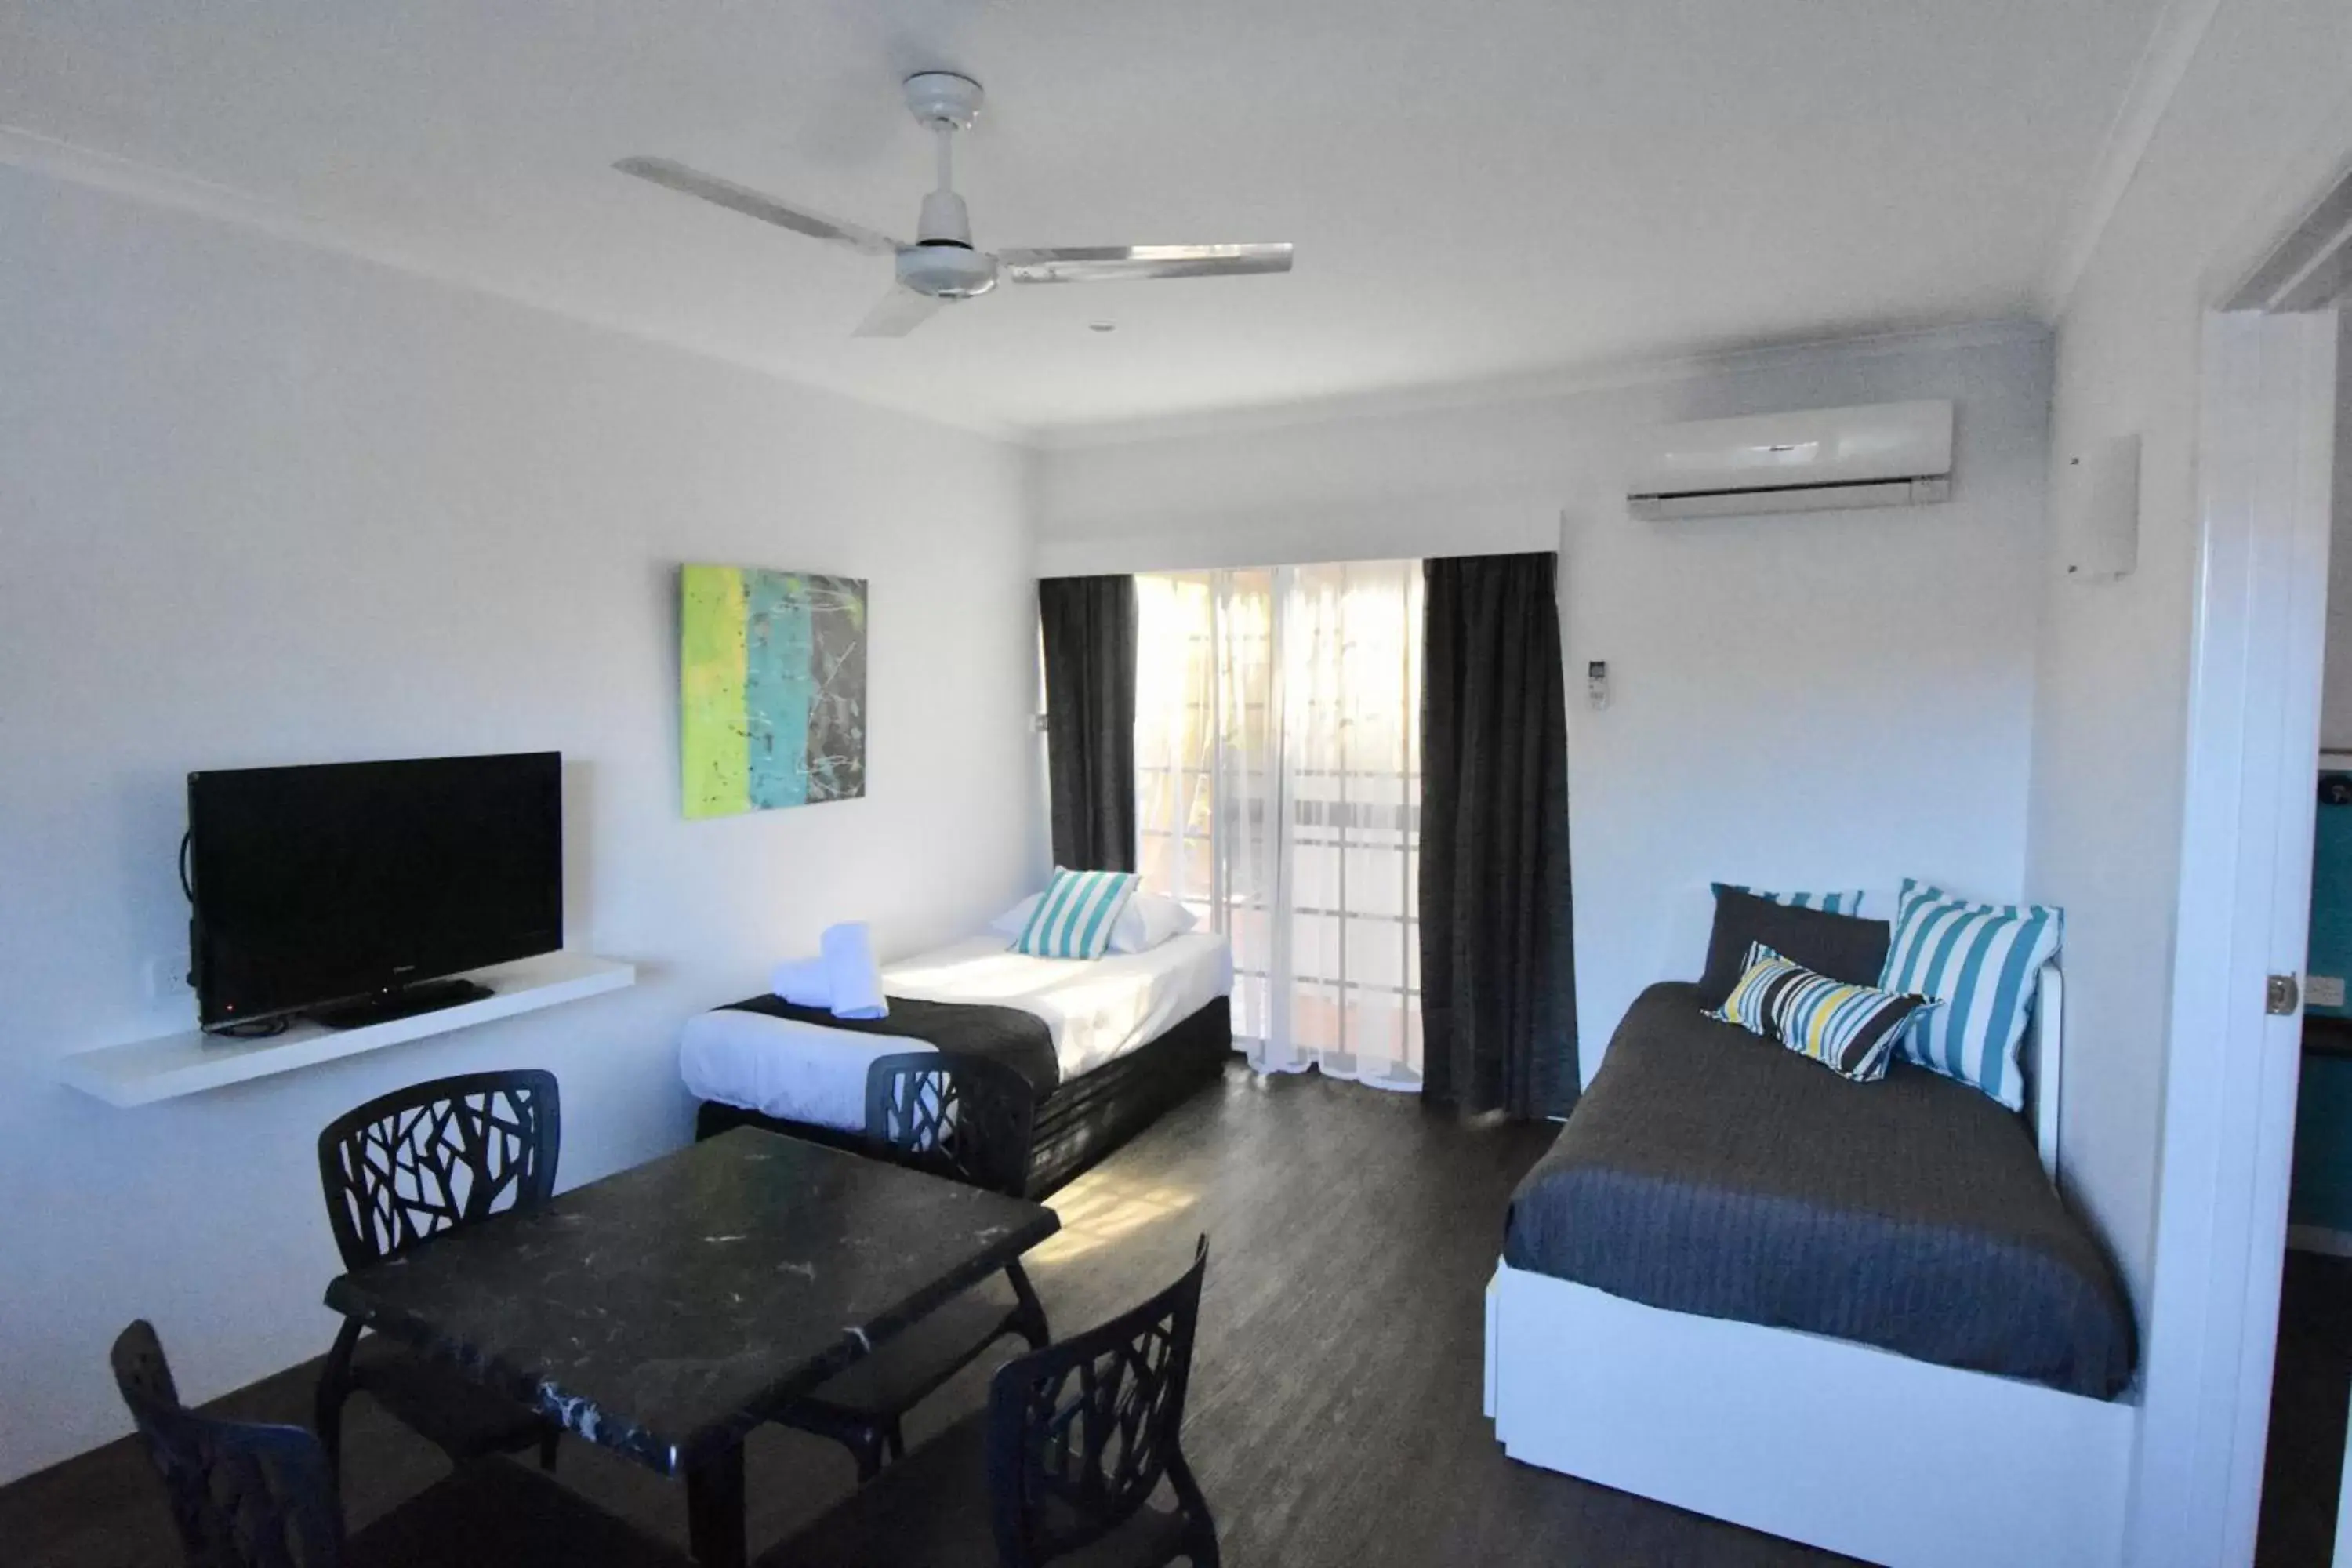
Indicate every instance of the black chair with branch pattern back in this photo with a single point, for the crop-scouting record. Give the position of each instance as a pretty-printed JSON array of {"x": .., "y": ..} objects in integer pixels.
[
  {"x": 397, "y": 1172},
  {"x": 247, "y": 1495},
  {"x": 1065, "y": 1466},
  {"x": 969, "y": 1119},
  {"x": 241, "y": 1493}
]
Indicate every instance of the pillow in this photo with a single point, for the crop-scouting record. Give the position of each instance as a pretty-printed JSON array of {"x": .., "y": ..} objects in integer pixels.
[
  {"x": 1075, "y": 916},
  {"x": 1842, "y": 947},
  {"x": 1980, "y": 961},
  {"x": 1850, "y": 1029},
  {"x": 1750, "y": 1002},
  {"x": 1841, "y": 903},
  {"x": 1149, "y": 919}
]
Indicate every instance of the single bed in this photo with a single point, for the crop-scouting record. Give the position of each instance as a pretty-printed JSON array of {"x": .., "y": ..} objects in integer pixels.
[
  {"x": 1855, "y": 1315},
  {"x": 1709, "y": 1171},
  {"x": 1107, "y": 1044}
]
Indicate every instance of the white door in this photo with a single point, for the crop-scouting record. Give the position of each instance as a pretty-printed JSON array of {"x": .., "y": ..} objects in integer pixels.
[{"x": 2265, "y": 449}]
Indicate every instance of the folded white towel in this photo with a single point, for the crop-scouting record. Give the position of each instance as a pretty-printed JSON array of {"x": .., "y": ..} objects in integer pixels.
[
  {"x": 851, "y": 975},
  {"x": 802, "y": 982}
]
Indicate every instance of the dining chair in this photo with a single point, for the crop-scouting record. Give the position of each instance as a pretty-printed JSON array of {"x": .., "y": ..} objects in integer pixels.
[
  {"x": 1063, "y": 1466},
  {"x": 397, "y": 1172},
  {"x": 248, "y": 1494},
  {"x": 969, "y": 1119}
]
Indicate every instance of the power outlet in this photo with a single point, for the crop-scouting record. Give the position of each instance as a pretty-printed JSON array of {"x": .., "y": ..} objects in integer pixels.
[{"x": 166, "y": 977}]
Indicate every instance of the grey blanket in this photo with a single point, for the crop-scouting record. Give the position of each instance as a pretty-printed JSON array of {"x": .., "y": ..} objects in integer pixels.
[
  {"x": 1007, "y": 1035},
  {"x": 1709, "y": 1170}
]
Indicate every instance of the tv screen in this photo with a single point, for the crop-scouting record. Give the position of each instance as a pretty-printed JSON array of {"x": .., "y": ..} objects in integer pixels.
[{"x": 317, "y": 885}]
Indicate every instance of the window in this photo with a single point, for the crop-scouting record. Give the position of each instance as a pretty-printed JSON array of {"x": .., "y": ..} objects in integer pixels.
[{"x": 1277, "y": 761}]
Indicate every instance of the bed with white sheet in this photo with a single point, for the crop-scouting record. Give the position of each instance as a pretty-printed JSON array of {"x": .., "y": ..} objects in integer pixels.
[{"x": 1122, "y": 1037}]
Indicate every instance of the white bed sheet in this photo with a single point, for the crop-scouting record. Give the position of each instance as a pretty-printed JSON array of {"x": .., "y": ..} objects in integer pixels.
[{"x": 1097, "y": 1010}]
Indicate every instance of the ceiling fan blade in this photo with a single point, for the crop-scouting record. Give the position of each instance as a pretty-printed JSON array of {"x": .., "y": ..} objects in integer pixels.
[
  {"x": 1118, "y": 263},
  {"x": 896, "y": 313},
  {"x": 758, "y": 205}
]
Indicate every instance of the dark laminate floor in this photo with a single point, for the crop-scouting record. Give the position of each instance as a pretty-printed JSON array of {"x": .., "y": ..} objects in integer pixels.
[
  {"x": 2304, "y": 1465},
  {"x": 1335, "y": 1398}
]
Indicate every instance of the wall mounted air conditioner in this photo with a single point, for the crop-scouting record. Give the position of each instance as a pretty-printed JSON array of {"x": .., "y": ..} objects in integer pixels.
[{"x": 1893, "y": 454}]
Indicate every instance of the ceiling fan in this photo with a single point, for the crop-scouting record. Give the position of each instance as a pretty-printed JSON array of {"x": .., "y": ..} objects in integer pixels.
[{"x": 941, "y": 266}]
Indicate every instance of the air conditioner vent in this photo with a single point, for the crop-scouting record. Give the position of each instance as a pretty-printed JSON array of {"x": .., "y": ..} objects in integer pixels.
[{"x": 1893, "y": 454}]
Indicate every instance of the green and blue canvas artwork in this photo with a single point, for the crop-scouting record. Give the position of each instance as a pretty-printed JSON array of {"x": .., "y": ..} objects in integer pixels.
[{"x": 771, "y": 675}]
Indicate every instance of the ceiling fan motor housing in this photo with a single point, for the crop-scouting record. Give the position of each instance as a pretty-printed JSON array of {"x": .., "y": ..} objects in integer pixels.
[
  {"x": 944, "y": 221},
  {"x": 941, "y": 262},
  {"x": 946, "y": 269}
]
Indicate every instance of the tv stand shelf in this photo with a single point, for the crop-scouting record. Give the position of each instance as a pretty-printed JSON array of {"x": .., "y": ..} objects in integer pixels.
[{"x": 142, "y": 1072}]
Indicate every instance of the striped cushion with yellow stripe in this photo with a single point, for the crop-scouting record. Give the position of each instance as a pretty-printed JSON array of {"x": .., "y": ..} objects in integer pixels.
[
  {"x": 1850, "y": 1029},
  {"x": 1750, "y": 1005}
]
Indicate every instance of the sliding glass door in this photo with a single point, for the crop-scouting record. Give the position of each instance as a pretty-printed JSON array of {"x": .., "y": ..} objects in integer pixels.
[{"x": 1277, "y": 771}]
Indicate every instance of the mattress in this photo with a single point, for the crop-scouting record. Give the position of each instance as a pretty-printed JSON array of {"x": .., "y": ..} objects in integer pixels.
[
  {"x": 1081, "y": 1120},
  {"x": 1097, "y": 1010},
  {"x": 1707, "y": 1171}
]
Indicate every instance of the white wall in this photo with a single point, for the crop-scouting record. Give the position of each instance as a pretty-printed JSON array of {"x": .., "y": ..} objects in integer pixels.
[
  {"x": 263, "y": 504},
  {"x": 1838, "y": 699},
  {"x": 2110, "y": 720}
]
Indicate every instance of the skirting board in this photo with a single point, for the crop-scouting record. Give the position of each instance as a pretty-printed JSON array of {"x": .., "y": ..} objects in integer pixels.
[{"x": 1820, "y": 1440}]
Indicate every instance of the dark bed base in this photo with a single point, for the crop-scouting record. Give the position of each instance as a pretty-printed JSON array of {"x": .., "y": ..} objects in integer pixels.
[{"x": 1083, "y": 1119}]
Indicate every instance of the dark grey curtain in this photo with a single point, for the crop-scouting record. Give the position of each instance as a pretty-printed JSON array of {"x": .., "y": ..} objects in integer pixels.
[
  {"x": 1497, "y": 968},
  {"x": 1089, "y": 634}
]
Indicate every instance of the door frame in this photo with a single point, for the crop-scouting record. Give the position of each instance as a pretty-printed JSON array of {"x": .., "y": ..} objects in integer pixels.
[{"x": 2265, "y": 445}]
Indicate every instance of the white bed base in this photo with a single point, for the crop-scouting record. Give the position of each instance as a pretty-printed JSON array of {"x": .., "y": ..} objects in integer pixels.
[
  {"x": 1825, "y": 1441},
  {"x": 1834, "y": 1444}
]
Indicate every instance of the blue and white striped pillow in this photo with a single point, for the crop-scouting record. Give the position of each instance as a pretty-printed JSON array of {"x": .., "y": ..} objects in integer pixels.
[
  {"x": 1982, "y": 962},
  {"x": 1075, "y": 917},
  {"x": 1841, "y": 903}
]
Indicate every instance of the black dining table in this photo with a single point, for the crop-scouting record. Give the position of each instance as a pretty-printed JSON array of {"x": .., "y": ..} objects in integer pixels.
[{"x": 665, "y": 1312}]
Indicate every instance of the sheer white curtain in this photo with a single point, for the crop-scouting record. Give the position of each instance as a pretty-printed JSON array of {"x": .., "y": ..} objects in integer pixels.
[{"x": 1280, "y": 792}]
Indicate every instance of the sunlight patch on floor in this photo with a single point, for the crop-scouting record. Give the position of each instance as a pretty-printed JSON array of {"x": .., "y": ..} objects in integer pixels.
[{"x": 1100, "y": 1208}]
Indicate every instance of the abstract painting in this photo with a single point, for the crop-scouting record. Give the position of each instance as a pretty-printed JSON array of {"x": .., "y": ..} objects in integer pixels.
[{"x": 771, "y": 676}]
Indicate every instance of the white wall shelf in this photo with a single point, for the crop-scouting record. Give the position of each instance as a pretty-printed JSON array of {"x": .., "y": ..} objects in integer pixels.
[{"x": 141, "y": 1072}]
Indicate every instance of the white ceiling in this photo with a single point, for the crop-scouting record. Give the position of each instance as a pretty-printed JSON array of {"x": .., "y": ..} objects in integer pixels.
[{"x": 1476, "y": 191}]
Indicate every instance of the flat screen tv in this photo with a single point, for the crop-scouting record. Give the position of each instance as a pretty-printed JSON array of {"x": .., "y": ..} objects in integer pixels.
[{"x": 355, "y": 883}]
